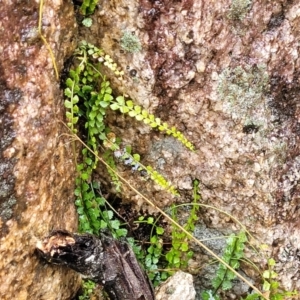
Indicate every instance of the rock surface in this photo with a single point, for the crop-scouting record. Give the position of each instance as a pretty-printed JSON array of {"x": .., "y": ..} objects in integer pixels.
[
  {"x": 36, "y": 163},
  {"x": 226, "y": 73},
  {"x": 179, "y": 286}
]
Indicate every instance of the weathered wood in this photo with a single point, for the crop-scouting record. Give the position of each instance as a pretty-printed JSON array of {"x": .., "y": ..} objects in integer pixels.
[{"x": 104, "y": 260}]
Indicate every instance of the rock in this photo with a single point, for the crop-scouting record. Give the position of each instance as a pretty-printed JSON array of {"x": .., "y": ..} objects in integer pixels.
[
  {"x": 227, "y": 75},
  {"x": 36, "y": 160},
  {"x": 179, "y": 286}
]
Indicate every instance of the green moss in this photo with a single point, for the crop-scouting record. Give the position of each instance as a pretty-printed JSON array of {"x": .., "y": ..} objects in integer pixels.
[
  {"x": 239, "y": 9},
  {"x": 130, "y": 42}
]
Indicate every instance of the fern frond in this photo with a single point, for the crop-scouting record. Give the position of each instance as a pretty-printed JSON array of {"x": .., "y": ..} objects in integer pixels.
[
  {"x": 233, "y": 252},
  {"x": 135, "y": 111}
]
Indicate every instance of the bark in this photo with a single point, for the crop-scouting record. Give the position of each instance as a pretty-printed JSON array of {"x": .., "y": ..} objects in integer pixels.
[{"x": 104, "y": 260}]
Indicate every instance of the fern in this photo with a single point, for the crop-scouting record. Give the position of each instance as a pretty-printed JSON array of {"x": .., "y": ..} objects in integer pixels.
[
  {"x": 88, "y": 96},
  {"x": 180, "y": 253},
  {"x": 134, "y": 161},
  {"x": 135, "y": 111},
  {"x": 86, "y": 53},
  {"x": 208, "y": 295},
  {"x": 109, "y": 159},
  {"x": 233, "y": 252},
  {"x": 71, "y": 91},
  {"x": 88, "y": 6},
  {"x": 232, "y": 255}
]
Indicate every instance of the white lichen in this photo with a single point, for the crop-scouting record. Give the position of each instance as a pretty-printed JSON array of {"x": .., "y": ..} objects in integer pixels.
[
  {"x": 130, "y": 42},
  {"x": 239, "y": 9},
  {"x": 242, "y": 91}
]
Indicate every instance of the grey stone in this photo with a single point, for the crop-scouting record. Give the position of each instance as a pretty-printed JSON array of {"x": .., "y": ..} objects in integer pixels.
[{"x": 179, "y": 286}]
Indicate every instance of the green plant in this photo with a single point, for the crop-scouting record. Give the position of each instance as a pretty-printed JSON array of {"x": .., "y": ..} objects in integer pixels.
[
  {"x": 109, "y": 159},
  {"x": 180, "y": 253},
  {"x": 86, "y": 83},
  {"x": 233, "y": 252},
  {"x": 88, "y": 287},
  {"x": 134, "y": 161},
  {"x": 93, "y": 213},
  {"x": 130, "y": 42},
  {"x": 154, "y": 253},
  {"x": 271, "y": 285},
  {"x": 88, "y": 6},
  {"x": 88, "y": 96},
  {"x": 82, "y": 85},
  {"x": 232, "y": 255},
  {"x": 167, "y": 217},
  {"x": 136, "y": 111}
]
